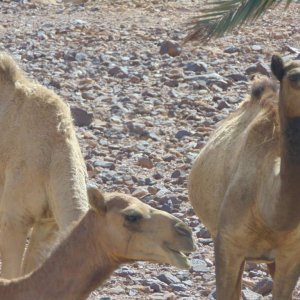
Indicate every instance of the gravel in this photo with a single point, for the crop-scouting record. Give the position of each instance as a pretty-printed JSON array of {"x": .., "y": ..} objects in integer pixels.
[{"x": 144, "y": 105}]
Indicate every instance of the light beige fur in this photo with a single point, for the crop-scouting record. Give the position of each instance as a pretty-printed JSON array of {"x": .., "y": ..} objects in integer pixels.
[
  {"x": 118, "y": 229},
  {"x": 42, "y": 172},
  {"x": 245, "y": 185}
]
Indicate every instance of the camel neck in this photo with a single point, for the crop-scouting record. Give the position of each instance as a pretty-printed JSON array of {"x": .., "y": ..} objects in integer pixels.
[
  {"x": 74, "y": 269},
  {"x": 291, "y": 142},
  {"x": 288, "y": 206}
]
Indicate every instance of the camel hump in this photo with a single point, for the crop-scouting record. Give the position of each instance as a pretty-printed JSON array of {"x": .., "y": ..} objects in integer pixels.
[
  {"x": 9, "y": 70},
  {"x": 262, "y": 86}
]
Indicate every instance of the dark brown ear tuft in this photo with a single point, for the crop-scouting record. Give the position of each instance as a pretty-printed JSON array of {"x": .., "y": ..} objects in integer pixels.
[
  {"x": 96, "y": 199},
  {"x": 277, "y": 67}
]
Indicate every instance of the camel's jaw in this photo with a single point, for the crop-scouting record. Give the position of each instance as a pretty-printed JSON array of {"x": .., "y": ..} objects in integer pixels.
[{"x": 177, "y": 258}]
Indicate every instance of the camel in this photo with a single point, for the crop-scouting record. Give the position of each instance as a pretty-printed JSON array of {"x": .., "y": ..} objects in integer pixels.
[
  {"x": 42, "y": 171},
  {"x": 245, "y": 185},
  {"x": 117, "y": 229}
]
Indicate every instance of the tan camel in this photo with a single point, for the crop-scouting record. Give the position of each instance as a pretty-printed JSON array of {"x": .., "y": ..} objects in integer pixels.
[
  {"x": 118, "y": 229},
  {"x": 245, "y": 185},
  {"x": 42, "y": 172}
]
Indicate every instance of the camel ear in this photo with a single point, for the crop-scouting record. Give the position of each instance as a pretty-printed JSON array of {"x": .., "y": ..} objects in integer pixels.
[
  {"x": 277, "y": 67},
  {"x": 96, "y": 199}
]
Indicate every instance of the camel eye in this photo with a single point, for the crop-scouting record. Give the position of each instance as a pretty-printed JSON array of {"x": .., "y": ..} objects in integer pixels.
[
  {"x": 133, "y": 217},
  {"x": 294, "y": 77}
]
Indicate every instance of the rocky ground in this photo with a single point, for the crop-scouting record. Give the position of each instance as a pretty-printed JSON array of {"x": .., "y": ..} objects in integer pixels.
[{"x": 142, "y": 116}]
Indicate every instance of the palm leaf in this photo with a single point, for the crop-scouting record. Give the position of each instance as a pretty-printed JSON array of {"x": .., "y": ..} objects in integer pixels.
[{"x": 219, "y": 17}]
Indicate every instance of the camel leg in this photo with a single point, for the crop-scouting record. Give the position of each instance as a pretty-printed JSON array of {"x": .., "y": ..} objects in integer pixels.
[
  {"x": 13, "y": 234},
  {"x": 42, "y": 239},
  {"x": 286, "y": 276},
  {"x": 272, "y": 268},
  {"x": 229, "y": 271}
]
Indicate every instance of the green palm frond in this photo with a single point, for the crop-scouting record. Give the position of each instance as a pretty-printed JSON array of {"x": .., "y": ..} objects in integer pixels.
[{"x": 218, "y": 17}]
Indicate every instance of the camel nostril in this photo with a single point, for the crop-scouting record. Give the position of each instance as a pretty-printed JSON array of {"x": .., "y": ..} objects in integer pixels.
[{"x": 182, "y": 229}]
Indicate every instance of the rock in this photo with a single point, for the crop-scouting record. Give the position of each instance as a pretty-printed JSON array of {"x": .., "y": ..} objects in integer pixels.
[
  {"x": 264, "y": 286},
  {"x": 176, "y": 174},
  {"x": 210, "y": 79},
  {"x": 81, "y": 116},
  {"x": 136, "y": 128},
  {"x": 197, "y": 68},
  {"x": 182, "y": 133},
  {"x": 145, "y": 162},
  {"x": 212, "y": 295},
  {"x": 118, "y": 71},
  {"x": 80, "y": 57},
  {"x": 199, "y": 266},
  {"x": 171, "y": 83},
  {"x": 258, "y": 68},
  {"x": 117, "y": 290},
  {"x": 168, "y": 278},
  {"x": 237, "y": 77},
  {"x": 257, "y": 48},
  {"x": 249, "y": 295},
  {"x": 178, "y": 287},
  {"x": 170, "y": 48},
  {"x": 292, "y": 49},
  {"x": 157, "y": 288},
  {"x": 104, "y": 164},
  {"x": 203, "y": 233},
  {"x": 231, "y": 49},
  {"x": 88, "y": 95}
]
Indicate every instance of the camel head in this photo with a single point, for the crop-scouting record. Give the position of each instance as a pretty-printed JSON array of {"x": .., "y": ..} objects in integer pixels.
[
  {"x": 288, "y": 73},
  {"x": 135, "y": 231}
]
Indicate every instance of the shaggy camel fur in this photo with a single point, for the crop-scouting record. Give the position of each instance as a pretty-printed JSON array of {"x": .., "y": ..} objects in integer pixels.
[
  {"x": 118, "y": 229},
  {"x": 42, "y": 172},
  {"x": 245, "y": 185}
]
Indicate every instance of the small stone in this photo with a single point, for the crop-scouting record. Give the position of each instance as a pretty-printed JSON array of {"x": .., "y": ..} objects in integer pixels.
[
  {"x": 81, "y": 116},
  {"x": 182, "y": 133},
  {"x": 156, "y": 287},
  {"x": 199, "y": 265},
  {"x": 223, "y": 104},
  {"x": 212, "y": 295},
  {"x": 203, "y": 233},
  {"x": 171, "y": 83},
  {"x": 264, "y": 286},
  {"x": 249, "y": 295},
  {"x": 178, "y": 287},
  {"x": 145, "y": 162},
  {"x": 88, "y": 95},
  {"x": 168, "y": 278},
  {"x": 41, "y": 35},
  {"x": 176, "y": 174},
  {"x": 257, "y": 48},
  {"x": 231, "y": 49},
  {"x": 117, "y": 290},
  {"x": 258, "y": 68},
  {"x": 168, "y": 47},
  {"x": 237, "y": 77},
  {"x": 104, "y": 164},
  {"x": 196, "y": 67},
  {"x": 80, "y": 56},
  {"x": 136, "y": 128},
  {"x": 115, "y": 70}
]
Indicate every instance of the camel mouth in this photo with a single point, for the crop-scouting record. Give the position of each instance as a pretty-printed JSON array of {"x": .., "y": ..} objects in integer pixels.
[{"x": 178, "y": 258}]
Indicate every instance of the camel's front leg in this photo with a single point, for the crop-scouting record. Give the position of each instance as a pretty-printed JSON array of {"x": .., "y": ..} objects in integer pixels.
[
  {"x": 229, "y": 270},
  {"x": 13, "y": 235},
  {"x": 42, "y": 240},
  {"x": 286, "y": 275}
]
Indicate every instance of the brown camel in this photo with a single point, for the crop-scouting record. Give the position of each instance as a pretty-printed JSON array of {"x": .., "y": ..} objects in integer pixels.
[
  {"x": 42, "y": 172},
  {"x": 245, "y": 185},
  {"x": 117, "y": 229}
]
